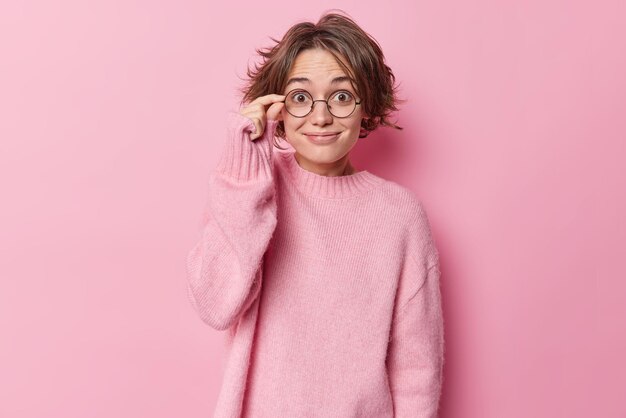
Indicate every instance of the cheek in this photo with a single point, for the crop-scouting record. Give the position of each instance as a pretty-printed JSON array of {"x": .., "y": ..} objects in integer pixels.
[
  {"x": 290, "y": 124},
  {"x": 356, "y": 124}
]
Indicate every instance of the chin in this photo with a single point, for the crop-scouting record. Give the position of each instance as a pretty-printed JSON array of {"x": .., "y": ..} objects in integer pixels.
[{"x": 323, "y": 154}]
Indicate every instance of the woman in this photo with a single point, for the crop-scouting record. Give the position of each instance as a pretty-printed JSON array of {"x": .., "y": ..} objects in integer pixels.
[{"x": 325, "y": 276}]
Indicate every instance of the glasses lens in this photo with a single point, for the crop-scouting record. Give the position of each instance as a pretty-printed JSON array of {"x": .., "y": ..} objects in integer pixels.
[
  {"x": 298, "y": 103},
  {"x": 342, "y": 103}
]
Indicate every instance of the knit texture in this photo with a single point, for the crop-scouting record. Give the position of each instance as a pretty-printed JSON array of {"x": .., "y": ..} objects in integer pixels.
[{"x": 328, "y": 287}]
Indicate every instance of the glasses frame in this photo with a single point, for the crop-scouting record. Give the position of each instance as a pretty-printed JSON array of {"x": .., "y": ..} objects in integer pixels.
[{"x": 320, "y": 100}]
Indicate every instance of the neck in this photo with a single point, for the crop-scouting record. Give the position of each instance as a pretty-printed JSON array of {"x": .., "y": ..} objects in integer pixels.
[
  {"x": 342, "y": 167},
  {"x": 349, "y": 169}
]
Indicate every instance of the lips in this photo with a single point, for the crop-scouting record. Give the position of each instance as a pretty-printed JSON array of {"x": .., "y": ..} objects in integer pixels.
[
  {"x": 325, "y": 138},
  {"x": 321, "y": 133}
]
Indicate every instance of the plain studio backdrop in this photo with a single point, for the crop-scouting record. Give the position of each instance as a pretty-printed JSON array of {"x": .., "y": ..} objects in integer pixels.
[{"x": 112, "y": 114}]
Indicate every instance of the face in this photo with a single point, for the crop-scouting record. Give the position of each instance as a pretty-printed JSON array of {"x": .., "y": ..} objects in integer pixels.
[{"x": 316, "y": 69}]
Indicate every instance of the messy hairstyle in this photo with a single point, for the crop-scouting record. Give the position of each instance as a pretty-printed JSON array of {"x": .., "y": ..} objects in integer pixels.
[{"x": 370, "y": 77}]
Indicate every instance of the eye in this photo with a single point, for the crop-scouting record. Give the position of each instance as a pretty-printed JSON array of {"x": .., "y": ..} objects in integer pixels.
[
  {"x": 300, "y": 97},
  {"x": 342, "y": 96}
]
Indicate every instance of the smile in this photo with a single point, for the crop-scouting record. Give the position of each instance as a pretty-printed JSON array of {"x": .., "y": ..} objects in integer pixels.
[{"x": 322, "y": 139}]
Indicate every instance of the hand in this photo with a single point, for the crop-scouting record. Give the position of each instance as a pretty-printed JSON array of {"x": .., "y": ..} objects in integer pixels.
[{"x": 256, "y": 110}]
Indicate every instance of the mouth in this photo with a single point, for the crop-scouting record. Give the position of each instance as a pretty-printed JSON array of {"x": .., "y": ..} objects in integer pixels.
[{"x": 325, "y": 138}]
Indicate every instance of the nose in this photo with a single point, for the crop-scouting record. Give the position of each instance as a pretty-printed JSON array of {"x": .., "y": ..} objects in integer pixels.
[{"x": 320, "y": 114}]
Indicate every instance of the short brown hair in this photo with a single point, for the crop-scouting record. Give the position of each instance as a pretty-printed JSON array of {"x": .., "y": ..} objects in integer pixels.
[{"x": 372, "y": 79}]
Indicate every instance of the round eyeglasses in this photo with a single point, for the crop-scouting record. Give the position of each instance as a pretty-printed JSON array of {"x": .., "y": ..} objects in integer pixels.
[{"x": 340, "y": 104}]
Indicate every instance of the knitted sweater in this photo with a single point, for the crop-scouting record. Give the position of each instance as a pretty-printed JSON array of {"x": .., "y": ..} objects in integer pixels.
[{"x": 328, "y": 287}]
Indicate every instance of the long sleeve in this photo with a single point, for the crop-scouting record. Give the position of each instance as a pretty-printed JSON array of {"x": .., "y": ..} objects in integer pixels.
[
  {"x": 416, "y": 348},
  {"x": 224, "y": 268}
]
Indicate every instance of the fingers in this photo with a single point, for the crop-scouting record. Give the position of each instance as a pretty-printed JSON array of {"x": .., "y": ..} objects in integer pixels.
[
  {"x": 256, "y": 112},
  {"x": 257, "y": 118},
  {"x": 269, "y": 99},
  {"x": 259, "y": 126},
  {"x": 274, "y": 111}
]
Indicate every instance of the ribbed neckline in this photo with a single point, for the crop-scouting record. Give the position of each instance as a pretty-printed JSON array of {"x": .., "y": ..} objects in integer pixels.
[{"x": 317, "y": 185}]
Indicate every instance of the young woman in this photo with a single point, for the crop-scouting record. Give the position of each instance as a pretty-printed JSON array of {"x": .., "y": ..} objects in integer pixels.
[{"x": 325, "y": 276}]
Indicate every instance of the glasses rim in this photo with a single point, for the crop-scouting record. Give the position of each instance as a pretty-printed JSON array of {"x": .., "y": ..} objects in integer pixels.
[{"x": 356, "y": 103}]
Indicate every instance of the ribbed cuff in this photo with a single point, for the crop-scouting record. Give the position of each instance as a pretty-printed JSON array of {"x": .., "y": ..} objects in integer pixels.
[{"x": 243, "y": 159}]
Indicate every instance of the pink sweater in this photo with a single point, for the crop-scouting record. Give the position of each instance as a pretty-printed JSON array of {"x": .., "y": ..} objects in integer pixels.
[{"x": 328, "y": 287}]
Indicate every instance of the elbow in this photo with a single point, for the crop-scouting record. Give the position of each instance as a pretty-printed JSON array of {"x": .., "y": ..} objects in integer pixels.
[
  {"x": 219, "y": 324},
  {"x": 208, "y": 314},
  {"x": 215, "y": 319}
]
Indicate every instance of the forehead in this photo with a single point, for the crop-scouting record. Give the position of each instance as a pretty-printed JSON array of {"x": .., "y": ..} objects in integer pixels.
[{"x": 317, "y": 66}]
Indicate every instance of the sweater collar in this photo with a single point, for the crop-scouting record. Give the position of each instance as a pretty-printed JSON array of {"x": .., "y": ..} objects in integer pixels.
[{"x": 317, "y": 185}]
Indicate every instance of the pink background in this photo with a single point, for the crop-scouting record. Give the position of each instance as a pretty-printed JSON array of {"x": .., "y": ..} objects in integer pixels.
[{"x": 111, "y": 115}]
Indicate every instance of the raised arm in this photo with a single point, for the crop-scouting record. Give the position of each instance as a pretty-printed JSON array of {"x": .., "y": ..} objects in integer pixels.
[{"x": 224, "y": 268}]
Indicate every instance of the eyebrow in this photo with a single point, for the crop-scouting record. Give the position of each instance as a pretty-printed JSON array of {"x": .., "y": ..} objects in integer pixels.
[{"x": 336, "y": 80}]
